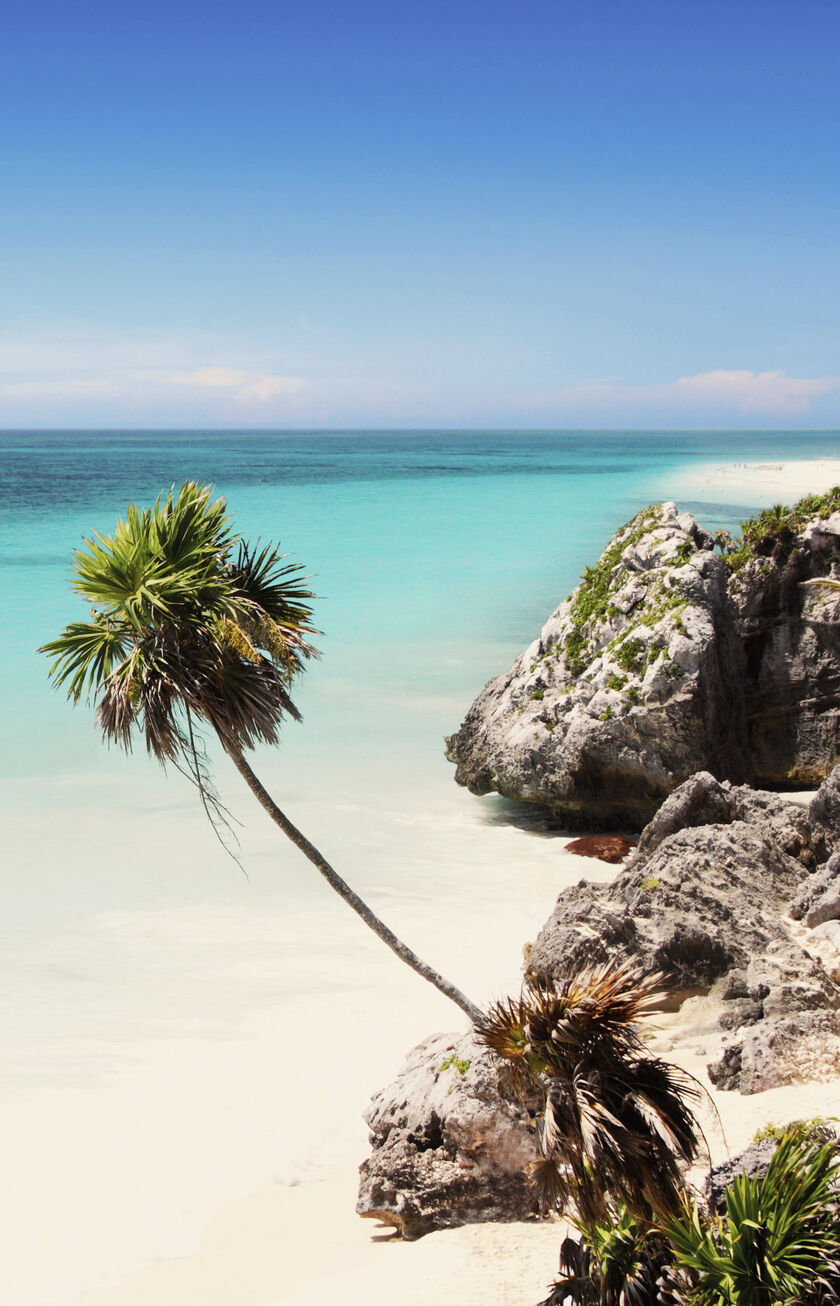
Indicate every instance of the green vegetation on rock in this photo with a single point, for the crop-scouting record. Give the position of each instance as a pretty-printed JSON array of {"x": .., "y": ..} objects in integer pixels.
[
  {"x": 776, "y": 528},
  {"x": 593, "y": 601}
]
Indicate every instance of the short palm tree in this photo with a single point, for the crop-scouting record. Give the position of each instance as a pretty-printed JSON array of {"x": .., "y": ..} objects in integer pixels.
[
  {"x": 614, "y": 1124},
  {"x": 193, "y": 626}
]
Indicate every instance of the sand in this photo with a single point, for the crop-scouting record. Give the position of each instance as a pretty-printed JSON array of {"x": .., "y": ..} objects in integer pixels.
[
  {"x": 297, "y": 1246},
  {"x": 754, "y": 484}
]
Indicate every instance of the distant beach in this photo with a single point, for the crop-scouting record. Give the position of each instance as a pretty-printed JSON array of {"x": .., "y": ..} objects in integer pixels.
[{"x": 760, "y": 483}]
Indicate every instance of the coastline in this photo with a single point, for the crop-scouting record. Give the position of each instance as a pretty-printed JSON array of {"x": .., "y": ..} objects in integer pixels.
[
  {"x": 759, "y": 483},
  {"x": 290, "y": 1243}
]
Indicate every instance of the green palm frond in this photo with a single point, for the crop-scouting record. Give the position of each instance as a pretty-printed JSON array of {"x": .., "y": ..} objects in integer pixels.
[
  {"x": 778, "y": 1240},
  {"x": 163, "y": 561},
  {"x": 87, "y": 652},
  {"x": 276, "y": 590},
  {"x": 188, "y": 618}
]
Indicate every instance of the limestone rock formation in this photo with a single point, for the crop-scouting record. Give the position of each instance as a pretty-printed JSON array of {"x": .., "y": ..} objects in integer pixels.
[
  {"x": 667, "y": 659},
  {"x": 705, "y": 898},
  {"x": 447, "y": 1148}
]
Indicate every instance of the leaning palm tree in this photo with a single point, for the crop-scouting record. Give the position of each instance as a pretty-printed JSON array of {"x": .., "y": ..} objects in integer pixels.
[{"x": 192, "y": 626}]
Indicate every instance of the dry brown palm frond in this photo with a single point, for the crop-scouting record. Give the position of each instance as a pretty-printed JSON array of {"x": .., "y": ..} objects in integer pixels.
[{"x": 616, "y": 1122}]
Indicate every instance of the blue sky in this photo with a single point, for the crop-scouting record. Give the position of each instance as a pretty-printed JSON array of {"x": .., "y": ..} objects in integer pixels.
[{"x": 600, "y": 213}]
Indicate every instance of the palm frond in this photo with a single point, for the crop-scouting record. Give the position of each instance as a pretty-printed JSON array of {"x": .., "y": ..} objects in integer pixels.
[
  {"x": 190, "y": 624},
  {"x": 616, "y": 1122},
  {"x": 86, "y": 653}
]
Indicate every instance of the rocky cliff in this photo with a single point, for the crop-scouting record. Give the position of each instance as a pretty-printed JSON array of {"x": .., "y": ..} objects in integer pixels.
[{"x": 671, "y": 657}]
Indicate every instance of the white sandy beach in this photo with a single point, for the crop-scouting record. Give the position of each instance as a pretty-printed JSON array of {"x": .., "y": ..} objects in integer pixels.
[
  {"x": 291, "y": 1247},
  {"x": 301, "y": 1246},
  {"x": 762, "y": 484},
  {"x": 290, "y": 1236}
]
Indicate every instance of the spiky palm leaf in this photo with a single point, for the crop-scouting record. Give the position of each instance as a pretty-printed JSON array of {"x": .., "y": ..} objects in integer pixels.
[{"x": 778, "y": 1241}]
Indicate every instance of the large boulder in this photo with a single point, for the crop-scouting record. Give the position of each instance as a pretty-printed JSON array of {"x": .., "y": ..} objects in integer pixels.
[
  {"x": 703, "y": 800},
  {"x": 448, "y": 1148},
  {"x": 708, "y": 900},
  {"x": 667, "y": 659},
  {"x": 707, "y": 903}
]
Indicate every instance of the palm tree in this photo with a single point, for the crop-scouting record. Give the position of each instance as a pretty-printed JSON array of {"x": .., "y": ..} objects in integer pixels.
[
  {"x": 613, "y": 1122},
  {"x": 193, "y": 626}
]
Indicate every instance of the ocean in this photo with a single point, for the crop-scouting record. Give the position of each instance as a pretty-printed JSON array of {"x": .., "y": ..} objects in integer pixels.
[{"x": 177, "y": 1030}]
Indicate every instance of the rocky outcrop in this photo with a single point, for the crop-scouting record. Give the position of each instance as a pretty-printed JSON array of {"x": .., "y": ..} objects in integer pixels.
[
  {"x": 791, "y": 641},
  {"x": 705, "y": 899},
  {"x": 667, "y": 659},
  {"x": 447, "y": 1147},
  {"x": 702, "y": 800}
]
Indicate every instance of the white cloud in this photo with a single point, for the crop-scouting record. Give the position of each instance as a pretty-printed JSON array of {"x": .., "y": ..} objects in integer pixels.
[
  {"x": 213, "y": 378},
  {"x": 269, "y": 386},
  {"x": 245, "y": 386},
  {"x": 766, "y": 392},
  {"x": 707, "y": 392}
]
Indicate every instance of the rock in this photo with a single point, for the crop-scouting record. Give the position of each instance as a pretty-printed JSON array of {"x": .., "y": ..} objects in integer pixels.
[
  {"x": 830, "y": 931},
  {"x": 700, "y": 800},
  {"x": 814, "y": 888},
  {"x": 448, "y": 1147},
  {"x": 703, "y": 800},
  {"x": 786, "y": 1050},
  {"x": 753, "y": 1162},
  {"x": 632, "y": 686},
  {"x": 826, "y": 907},
  {"x": 824, "y": 816},
  {"x": 703, "y": 903},
  {"x": 669, "y": 659},
  {"x": 606, "y": 847},
  {"x": 706, "y": 904}
]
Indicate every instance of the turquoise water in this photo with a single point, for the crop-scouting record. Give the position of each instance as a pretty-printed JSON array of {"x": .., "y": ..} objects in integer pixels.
[
  {"x": 176, "y": 1031},
  {"x": 436, "y": 554}
]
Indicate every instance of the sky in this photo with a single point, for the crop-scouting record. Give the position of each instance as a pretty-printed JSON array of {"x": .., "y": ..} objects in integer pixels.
[{"x": 578, "y": 213}]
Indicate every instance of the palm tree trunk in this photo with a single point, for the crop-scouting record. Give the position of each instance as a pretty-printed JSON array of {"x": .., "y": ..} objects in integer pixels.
[{"x": 344, "y": 891}]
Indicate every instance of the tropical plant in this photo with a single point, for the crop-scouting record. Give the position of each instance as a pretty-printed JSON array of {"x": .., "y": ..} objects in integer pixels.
[
  {"x": 625, "y": 1264},
  {"x": 779, "y": 1240},
  {"x": 613, "y": 1123},
  {"x": 190, "y": 626}
]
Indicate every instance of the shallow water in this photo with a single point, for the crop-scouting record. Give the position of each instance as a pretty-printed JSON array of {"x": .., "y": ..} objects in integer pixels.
[{"x": 175, "y": 1032}]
